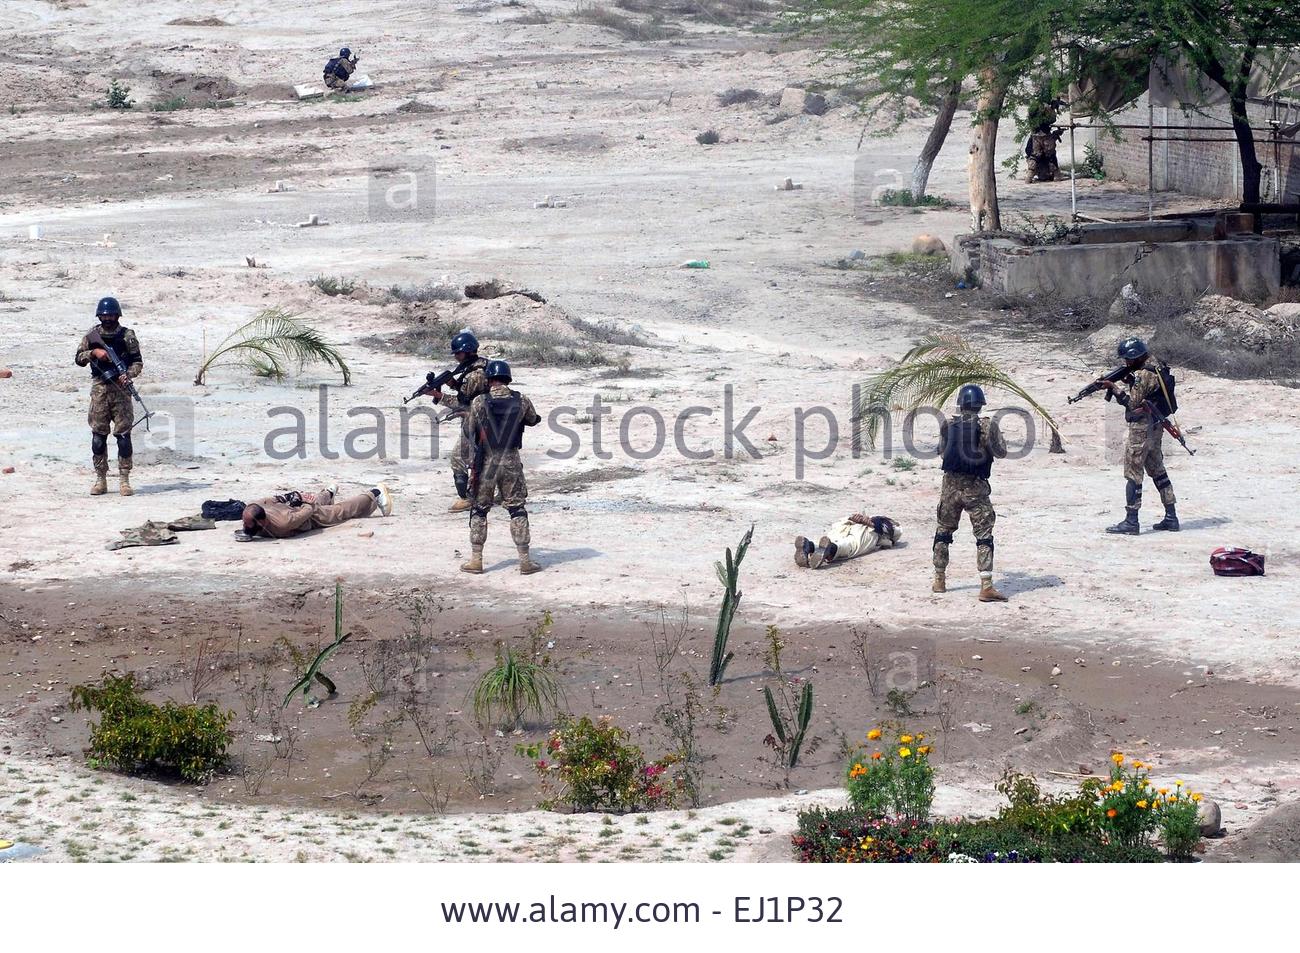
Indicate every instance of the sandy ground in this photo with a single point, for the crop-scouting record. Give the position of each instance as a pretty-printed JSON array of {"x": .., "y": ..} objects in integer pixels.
[{"x": 163, "y": 209}]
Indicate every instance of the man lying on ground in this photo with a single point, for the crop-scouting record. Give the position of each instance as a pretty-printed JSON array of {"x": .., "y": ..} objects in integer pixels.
[
  {"x": 280, "y": 517},
  {"x": 856, "y": 535}
]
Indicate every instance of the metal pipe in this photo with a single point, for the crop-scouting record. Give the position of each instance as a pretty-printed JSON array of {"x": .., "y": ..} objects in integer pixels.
[
  {"x": 1151, "y": 159},
  {"x": 1074, "y": 191}
]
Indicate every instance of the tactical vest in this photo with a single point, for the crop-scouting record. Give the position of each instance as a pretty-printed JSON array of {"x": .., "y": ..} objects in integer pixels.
[
  {"x": 505, "y": 422},
  {"x": 964, "y": 452},
  {"x": 463, "y": 399},
  {"x": 117, "y": 343},
  {"x": 1164, "y": 398}
]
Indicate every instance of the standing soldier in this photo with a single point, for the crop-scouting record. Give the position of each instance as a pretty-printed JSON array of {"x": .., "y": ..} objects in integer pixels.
[
  {"x": 110, "y": 401},
  {"x": 968, "y": 443},
  {"x": 1151, "y": 384},
  {"x": 468, "y": 382},
  {"x": 497, "y": 420}
]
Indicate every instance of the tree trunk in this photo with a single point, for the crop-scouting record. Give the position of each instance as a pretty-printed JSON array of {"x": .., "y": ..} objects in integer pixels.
[
  {"x": 938, "y": 133},
  {"x": 1236, "y": 87},
  {"x": 984, "y": 212}
]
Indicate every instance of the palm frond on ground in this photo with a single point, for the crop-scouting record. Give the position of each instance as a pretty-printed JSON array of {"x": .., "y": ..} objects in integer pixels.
[
  {"x": 272, "y": 344},
  {"x": 928, "y": 376}
]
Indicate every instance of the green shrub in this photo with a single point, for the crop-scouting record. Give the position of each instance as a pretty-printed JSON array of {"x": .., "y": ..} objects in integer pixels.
[
  {"x": 995, "y": 842},
  {"x": 1093, "y": 164},
  {"x": 1180, "y": 826},
  {"x": 708, "y": 137},
  {"x": 894, "y": 779},
  {"x": 905, "y": 198},
  {"x": 851, "y": 837},
  {"x": 119, "y": 96},
  {"x": 512, "y": 688},
  {"x": 170, "y": 105},
  {"x": 333, "y": 287},
  {"x": 589, "y": 766},
  {"x": 1043, "y": 815},
  {"x": 136, "y": 736}
]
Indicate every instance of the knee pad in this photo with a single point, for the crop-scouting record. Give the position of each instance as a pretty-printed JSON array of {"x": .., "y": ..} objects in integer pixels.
[
  {"x": 99, "y": 444},
  {"x": 462, "y": 485},
  {"x": 986, "y": 541},
  {"x": 943, "y": 537},
  {"x": 479, "y": 511},
  {"x": 124, "y": 448},
  {"x": 517, "y": 511},
  {"x": 1162, "y": 482},
  {"x": 1132, "y": 493}
]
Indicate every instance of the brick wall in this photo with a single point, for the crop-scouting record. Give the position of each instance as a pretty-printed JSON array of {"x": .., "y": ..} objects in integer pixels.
[{"x": 1211, "y": 169}]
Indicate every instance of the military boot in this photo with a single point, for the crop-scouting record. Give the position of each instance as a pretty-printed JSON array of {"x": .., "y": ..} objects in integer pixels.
[
  {"x": 475, "y": 562},
  {"x": 100, "y": 486},
  {"x": 519, "y": 531},
  {"x": 987, "y": 592},
  {"x": 460, "y": 506},
  {"x": 940, "y": 582},
  {"x": 1128, "y": 526},
  {"x": 1170, "y": 523},
  {"x": 802, "y": 547},
  {"x": 124, "y": 483}
]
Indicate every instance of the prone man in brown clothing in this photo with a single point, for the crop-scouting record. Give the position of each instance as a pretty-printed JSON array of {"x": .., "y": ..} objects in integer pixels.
[{"x": 279, "y": 517}]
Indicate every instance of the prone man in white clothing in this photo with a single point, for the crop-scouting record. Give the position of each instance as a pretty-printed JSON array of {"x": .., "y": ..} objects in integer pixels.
[{"x": 855, "y": 535}]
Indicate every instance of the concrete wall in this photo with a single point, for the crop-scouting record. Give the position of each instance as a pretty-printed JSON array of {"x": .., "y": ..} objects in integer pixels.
[
  {"x": 1211, "y": 169},
  {"x": 1246, "y": 267}
]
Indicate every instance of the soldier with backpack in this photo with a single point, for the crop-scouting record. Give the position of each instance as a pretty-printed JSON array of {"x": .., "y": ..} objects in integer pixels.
[
  {"x": 968, "y": 445},
  {"x": 1150, "y": 388},
  {"x": 497, "y": 420}
]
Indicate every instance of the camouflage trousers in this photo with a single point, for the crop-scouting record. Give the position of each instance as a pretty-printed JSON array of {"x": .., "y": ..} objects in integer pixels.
[
  {"x": 502, "y": 475},
  {"x": 110, "y": 407},
  {"x": 1144, "y": 455},
  {"x": 462, "y": 455},
  {"x": 960, "y": 493}
]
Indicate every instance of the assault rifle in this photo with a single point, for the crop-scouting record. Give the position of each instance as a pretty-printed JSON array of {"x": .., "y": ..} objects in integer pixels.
[
  {"x": 434, "y": 383},
  {"x": 1171, "y": 428},
  {"x": 115, "y": 374},
  {"x": 1114, "y": 377}
]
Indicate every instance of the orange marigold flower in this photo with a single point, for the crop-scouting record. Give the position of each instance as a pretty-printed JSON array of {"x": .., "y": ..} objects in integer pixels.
[
  {"x": 875, "y": 756},
  {"x": 1112, "y": 812},
  {"x": 1117, "y": 758},
  {"x": 873, "y": 734},
  {"x": 924, "y": 749}
]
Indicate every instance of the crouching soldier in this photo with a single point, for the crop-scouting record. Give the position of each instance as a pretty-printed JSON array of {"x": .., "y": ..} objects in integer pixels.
[
  {"x": 339, "y": 69},
  {"x": 968, "y": 443},
  {"x": 110, "y": 400},
  {"x": 497, "y": 420}
]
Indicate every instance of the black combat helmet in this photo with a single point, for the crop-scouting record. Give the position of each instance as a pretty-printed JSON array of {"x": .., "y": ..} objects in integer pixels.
[
  {"x": 970, "y": 397},
  {"x": 108, "y": 308},
  {"x": 464, "y": 343},
  {"x": 498, "y": 370},
  {"x": 345, "y": 53},
  {"x": 1132, "y": 349}
]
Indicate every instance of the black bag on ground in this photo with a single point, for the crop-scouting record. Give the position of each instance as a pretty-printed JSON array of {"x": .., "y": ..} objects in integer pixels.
[{"x": 223, "y": 509}]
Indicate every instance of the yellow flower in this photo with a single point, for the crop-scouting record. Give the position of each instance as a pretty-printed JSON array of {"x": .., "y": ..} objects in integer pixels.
[
  {"x": 1137, "y": 764},
  {"x": 1196, "y": 797},
  {"x": 857, "y": 771},
  {"x": 1179, "y": 783},
  {"x": 924, "y": 749},
  {"x": 1117, "y": 758},
  {"x": 920, "y": 736},
  {"x": 905, "y": 752},
  {"x": 905, "y": 739},
  {"x": 873, "y": 734},
  {"x": 1163, "y": 791},
  {"x": 1142, "y": 804}
]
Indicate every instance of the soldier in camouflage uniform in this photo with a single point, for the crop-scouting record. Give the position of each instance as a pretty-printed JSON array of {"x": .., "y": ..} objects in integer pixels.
[
  {"x": 471, "y": 383},
  {"x": 497, "y": 420},
  {"x": 339, "y": 70},
  {"x": 968, "y": 444},
  {"x": 110, "y": 403},
  {"x": 1143, "y": 450}
]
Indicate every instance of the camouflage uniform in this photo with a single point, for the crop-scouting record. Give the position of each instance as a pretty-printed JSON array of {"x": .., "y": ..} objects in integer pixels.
[
  {"x": 1144, "y": 445},
  {"x": 1040, "y": 152},
  {"x": 969, "y": 493},
  {"x": 471, "y": 385},
  {"x": 338, "y": 72},
  {"x": 110, "y": 405},
  {"x": 500, "y": 471}
]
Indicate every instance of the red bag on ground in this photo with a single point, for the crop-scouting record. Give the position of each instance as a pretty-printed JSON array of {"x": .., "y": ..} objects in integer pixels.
[{"x": 1233, "y": 561}]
